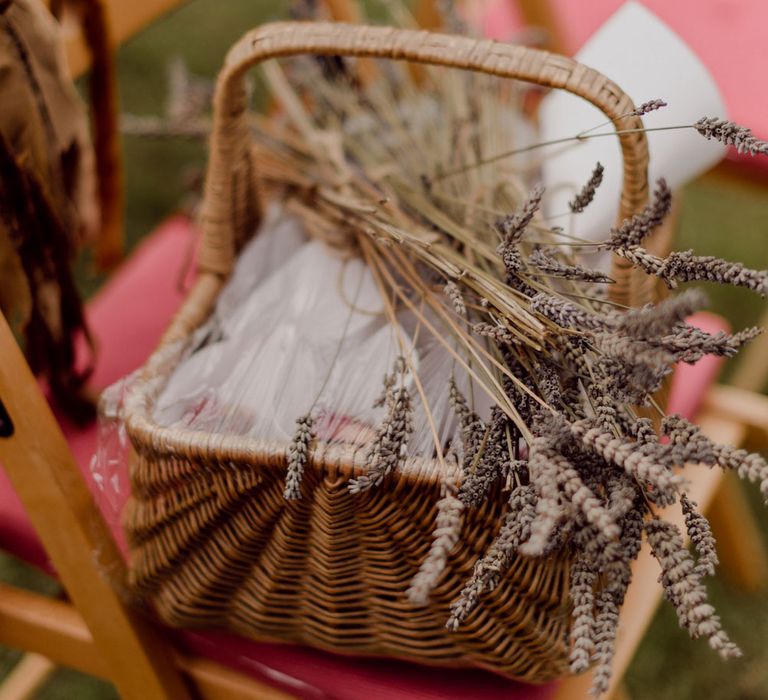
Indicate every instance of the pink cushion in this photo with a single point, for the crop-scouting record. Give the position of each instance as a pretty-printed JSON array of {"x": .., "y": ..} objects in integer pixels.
[
  {"x": 728, "y": 36},
  {"x": 127, "y": 318},
  {"x": 314, "y": 674}
]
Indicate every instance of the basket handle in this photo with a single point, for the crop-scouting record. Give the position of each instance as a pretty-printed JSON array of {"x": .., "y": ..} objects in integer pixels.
[{"x": 230, "y": 202}]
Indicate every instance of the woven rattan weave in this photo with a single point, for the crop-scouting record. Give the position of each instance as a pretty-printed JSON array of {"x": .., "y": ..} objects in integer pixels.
[{"x": 214, "y": 543}]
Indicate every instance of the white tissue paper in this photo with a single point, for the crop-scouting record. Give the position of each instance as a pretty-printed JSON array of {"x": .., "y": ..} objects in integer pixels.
[
  {"x": 295, "y": 326},
  {"x": 642, "y": 55}
]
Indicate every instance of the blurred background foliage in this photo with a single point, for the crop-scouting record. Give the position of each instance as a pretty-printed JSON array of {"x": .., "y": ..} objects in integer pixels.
[{"x": 720, "y": 216}]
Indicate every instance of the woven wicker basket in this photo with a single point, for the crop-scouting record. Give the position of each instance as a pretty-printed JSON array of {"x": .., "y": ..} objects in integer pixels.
[{"x": 214, "y": 543}]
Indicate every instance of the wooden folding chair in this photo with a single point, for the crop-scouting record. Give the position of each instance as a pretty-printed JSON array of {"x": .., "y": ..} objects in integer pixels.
[{"x": 97, "y": 632}]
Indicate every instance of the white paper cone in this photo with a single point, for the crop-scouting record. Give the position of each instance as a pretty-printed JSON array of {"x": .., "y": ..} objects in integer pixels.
[{"x": 641, "y": 54}]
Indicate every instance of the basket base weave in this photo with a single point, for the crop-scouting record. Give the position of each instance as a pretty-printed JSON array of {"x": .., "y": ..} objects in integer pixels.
[{"x": 217, "y": 545}]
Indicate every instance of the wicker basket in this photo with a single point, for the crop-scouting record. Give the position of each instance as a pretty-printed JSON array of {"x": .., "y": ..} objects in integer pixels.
[{"x": 214, "y": 543}]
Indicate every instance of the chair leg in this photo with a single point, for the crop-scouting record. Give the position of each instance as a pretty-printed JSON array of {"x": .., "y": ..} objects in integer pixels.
[
  {"x": 26, "y": 678},
  {"x": 43, "y": 472},
  {"x": 741, "y": 547}
]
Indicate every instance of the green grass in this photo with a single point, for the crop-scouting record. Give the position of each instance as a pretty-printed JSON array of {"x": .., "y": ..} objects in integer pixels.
[{"x": 729, "y": 219}]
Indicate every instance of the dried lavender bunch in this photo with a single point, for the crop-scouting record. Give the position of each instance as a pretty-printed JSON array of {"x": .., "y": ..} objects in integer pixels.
[
  {"x": 554, "y": 268},
  {"x": 634, "y": 230},
  {"x": 587, "y": 193},
  {"x": 585, "y": 474},
  {"x": 298, "y": 455},
  {"x": 731, "y": 134}
]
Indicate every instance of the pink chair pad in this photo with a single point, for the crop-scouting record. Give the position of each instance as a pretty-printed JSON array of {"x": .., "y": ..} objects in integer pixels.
[{"x": 127, "y": 319}]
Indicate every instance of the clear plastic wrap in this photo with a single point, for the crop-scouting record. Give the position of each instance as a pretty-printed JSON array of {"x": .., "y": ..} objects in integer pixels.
[{"x": 303, "y": 330}]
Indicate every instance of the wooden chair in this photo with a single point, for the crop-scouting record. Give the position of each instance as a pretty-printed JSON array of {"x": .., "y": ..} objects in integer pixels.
[{"x": 97, "y": 632}]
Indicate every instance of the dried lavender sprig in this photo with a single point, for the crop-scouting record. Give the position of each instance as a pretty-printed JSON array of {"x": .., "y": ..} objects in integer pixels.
[
  {"x": 548, "y": 381},
  {"x": 622, "y": 495},
  {"x": 684, "y": 266},
  {"x": 606, "y": 623},
  {"x": 567, "y": 314},
  {"x": 644, "y": 432},
  {"x": 512, "y": 259},
  {"x": 632, "y": 531},
  {"x": 633, "y": 351},
  {"x": 513, "y": 226},
  {"x": 458, "y": 403},
  {"x": 702, "y": 538},
  {"x": 683, "y": 587},
  {"x": 497, "y": 333},
  {"x": 651, "y": 321},
  {"x": 582, "y": 498},
  {"x": 550, "y": 266},
  {"x": 693, "y": 445},
  {"x": 488, "y": 463},
  {"x": 748, "y": 465},
  {"x": 388, "y": 385},
  {"x": 587, "y": 193},
  {"x": 687, "y": 440},
  {"x": 583, "y": 577},
  {"x": 445, "y": 537},
  {"x": 634, "y": 230},
  {"x": 298, "y": 455},
  {"x": 637, "y": 460},
  {"x": 453, "y": 293},
  {"x": 650, "y": 106},
  {"x": 472, "y": 428},
  {"x": 387, "y": 450},
  {"x": 731, "y": 134},
  {"x": 543, "y": 472},
  {"x": 489, "y": 569},
  {"x": 689, "y": 344}
]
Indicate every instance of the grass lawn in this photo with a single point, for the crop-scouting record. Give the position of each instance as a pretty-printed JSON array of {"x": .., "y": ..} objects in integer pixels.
[{"x": 728, "y": 219}]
